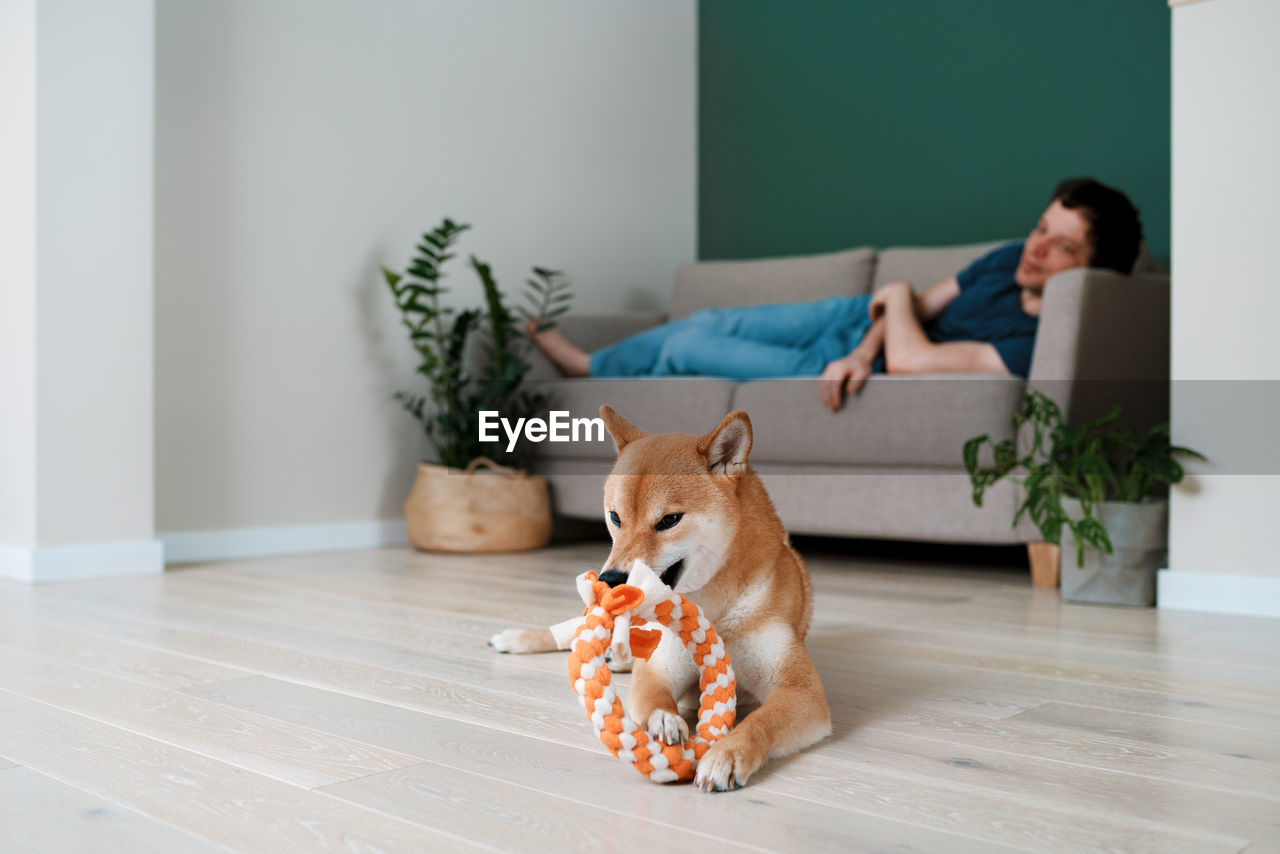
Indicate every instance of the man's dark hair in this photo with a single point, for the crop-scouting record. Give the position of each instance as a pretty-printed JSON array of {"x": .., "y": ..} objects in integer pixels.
[{"x": 1115, "y": 231}]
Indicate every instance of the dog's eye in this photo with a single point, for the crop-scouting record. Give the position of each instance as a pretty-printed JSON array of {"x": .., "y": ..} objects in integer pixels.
[
  {"x": 668, "y": 521},
  {"x": 613, "y": 517}
]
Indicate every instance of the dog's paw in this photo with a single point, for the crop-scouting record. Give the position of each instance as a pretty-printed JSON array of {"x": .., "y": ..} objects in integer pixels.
[
  {"x": 505, "y": 640},
  {"x": 523, "y": 640},
  {"x": 725, "y": 767},
  {"x": 667, "y": 727}
]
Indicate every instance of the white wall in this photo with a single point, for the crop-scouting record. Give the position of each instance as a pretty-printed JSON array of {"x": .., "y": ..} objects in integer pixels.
[
  {"x": 94, "y": 257},
  {"x": 301, "y": 144},
  {"x": 1226, "y": 299},
  {"x": 76, "y": 483},
  {"x": 18, "y": 274}
]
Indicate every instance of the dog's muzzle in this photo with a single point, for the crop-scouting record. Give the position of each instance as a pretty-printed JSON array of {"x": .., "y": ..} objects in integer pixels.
[
  {"x": 613, "y": 577},
  {"x": 672, "y": 574}
]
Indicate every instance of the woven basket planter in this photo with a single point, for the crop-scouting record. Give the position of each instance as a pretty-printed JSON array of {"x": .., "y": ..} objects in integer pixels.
[{"x": 484, "y": 508}]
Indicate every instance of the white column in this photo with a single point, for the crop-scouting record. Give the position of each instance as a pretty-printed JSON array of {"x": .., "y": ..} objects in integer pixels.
[
  {"x": 77, "y": 483},
  {"x": 17, "y": 279},
  {"x": 1226, "y": 301}
]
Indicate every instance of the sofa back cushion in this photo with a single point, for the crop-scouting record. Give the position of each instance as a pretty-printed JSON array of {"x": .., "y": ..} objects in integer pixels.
[
  {"x": 916, "y": 422},
  {"x": 924, "y": 268},
  {"x": 719, "y": 284},
  {"x": 666, "y": 405}
]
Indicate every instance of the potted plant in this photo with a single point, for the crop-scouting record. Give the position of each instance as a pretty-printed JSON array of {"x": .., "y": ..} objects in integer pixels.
[
  {"x": 461, "y": 505},
  {"x": 1103, "y": 482}
]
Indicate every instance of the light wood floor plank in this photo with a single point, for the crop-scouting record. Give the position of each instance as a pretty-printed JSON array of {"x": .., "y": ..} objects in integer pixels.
[
  {"x": 39, "y": 815},
  {"x": 1249, "y": 687},
  {"x": 1192, "y": 697},
  {"x": 1142, "y": 655},
  {"x": 1181, "y": 803},
  {"x": 252, "y": 594},
  {"x": 411, "y": 577},
  {"x": 1094, "y": 749},
  {"x": 1263, "y": 748},
  {"x": 1022, "y": 691},
  {"x": 549, "y": 690},
  {"x": 584, "y": 772},
  {"x": 1185, "y": 644},
  {"x": 1030, "y": 823},
  {"x": 494, "y": 812},
  {"x": 1217, "y": 770},
  {"x": 518, "y": 676},
  {"x": 293, "y": 754},
  {"x": 1142, "y": 673},
  {"x": 412, "y": 583},
  {"x": 436, "y": 632},
  {"x": 972, "y": 713},
  {"x": 107, "y": 655},
  {"x": 388, "y": 621},
  {"x": 417, "y": 626},
  {"x": 497, "y": 708},
  {"x": 206, "y": 798}
]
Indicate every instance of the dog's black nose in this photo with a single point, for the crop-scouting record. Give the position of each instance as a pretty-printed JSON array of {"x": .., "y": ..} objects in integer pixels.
[{"x": 613, "y": 577}]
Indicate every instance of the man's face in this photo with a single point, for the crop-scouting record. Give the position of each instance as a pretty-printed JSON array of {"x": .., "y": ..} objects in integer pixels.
[{"x": 1060, "y": 241}]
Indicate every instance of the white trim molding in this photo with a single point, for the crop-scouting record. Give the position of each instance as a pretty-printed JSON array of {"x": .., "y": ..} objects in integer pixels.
[
  {"x": 75, "y": 563},
  {"x": 1218, "y": 593},
  {"x": 238, "y": 543}
]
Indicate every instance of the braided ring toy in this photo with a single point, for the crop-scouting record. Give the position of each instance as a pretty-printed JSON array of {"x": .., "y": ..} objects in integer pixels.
[{"x": 607, "y": 622}]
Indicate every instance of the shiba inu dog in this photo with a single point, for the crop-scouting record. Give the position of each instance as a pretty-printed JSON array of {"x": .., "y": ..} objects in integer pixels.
[{"x": 692, "y": 509}]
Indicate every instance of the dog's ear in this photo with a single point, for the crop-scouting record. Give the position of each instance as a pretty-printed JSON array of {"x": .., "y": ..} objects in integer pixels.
[
  {"x": 727, "y": 447},
  {"x": 622, "y": 430}
]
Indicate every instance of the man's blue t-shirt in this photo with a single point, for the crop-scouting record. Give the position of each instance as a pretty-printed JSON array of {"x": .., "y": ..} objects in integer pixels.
[{"x": 988, "y": 309}]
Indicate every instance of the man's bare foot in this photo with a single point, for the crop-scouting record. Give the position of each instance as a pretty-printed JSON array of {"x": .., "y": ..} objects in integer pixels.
[{"x": 571, "y": 359}]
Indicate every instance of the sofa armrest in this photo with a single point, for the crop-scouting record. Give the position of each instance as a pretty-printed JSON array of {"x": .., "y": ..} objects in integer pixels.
[
  {"x": 1104, "y": 340},
  {"x": 591, "y": 332}
]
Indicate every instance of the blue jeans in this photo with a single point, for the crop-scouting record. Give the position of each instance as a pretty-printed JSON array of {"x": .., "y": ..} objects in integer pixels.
[{"x": 748, "y": 343}]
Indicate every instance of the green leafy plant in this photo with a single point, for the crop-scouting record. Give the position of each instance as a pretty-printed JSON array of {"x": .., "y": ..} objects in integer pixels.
[
  {"x": 1098, "y": 461},
  {"x": 458, "y": 391}
]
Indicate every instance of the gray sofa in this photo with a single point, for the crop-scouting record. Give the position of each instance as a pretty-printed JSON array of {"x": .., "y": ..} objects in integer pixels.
[{"x": 888, "y": 464}]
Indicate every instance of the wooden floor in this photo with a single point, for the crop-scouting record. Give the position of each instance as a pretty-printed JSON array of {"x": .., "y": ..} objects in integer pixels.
[{"x": 349, "y": 703}]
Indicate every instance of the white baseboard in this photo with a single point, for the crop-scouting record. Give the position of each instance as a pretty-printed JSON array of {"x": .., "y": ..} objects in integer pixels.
[
  {"x": 237, "y": 543},
  {"x": 71, "y": 563},
  {"x": 1218, "y": 593}
]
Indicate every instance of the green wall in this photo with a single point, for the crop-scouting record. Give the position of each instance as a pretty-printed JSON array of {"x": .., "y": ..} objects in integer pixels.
[{"x": 825, "y": 124}]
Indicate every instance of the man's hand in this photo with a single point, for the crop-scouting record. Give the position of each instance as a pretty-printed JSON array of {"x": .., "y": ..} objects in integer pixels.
[{"x": 843, "y": 375}]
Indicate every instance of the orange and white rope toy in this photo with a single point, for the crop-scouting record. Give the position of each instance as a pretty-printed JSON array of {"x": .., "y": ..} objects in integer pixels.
[{"x": 607, "y": 622}]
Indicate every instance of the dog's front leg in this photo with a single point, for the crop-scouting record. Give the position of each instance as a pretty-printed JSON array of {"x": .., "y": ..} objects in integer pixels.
[
  {"x": 655, "y": 686},
  {"x": 794, "y": 714}
]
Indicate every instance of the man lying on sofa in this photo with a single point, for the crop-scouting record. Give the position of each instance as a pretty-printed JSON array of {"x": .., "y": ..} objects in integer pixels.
[{"x": 981, "y": 320}]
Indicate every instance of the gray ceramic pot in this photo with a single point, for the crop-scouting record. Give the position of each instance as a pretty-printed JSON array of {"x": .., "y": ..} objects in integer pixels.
[{"x": 1139, "y": 535}]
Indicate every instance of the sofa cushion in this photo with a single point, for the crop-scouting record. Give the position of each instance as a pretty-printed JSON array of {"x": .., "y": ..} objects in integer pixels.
[
  {"x": 924, "y": 268},
  {"x": 847, "y": 501},
  {"x": 577, "y": 485},
  {"x": 718, "y": 284},
  {"x": 921, "y": 420},
  {"x": 887, "y": 503},
  {"x": 666, "y": 405}
]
